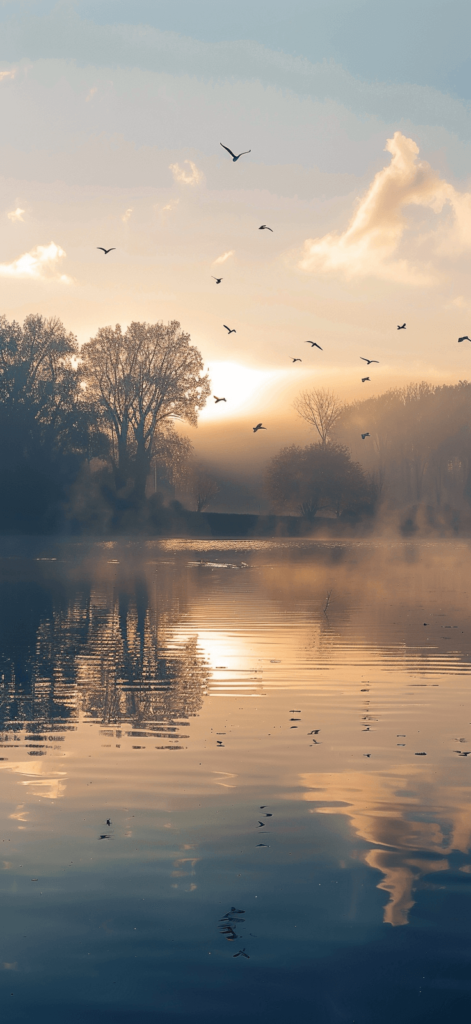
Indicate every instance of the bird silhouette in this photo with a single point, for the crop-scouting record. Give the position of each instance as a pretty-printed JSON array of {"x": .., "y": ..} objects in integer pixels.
[
  {"x": 462, "y": 753},
  {"x": 234, "y": 157},
  {"x": 229, "y": 329},
  {"x": 242, "y": 953},
  {"x": 363, "y": 379},
  {"x": 106, "y": 251},
  {"x": 464, "y": 338},
  {"x": 217, "y": 279},
  {"x": 296, "y": 360},
  {"x": 314, "y": 344},
  {"x": 365, "y": 360},
  {"x": 402, "y": 327},
  {"x": 258, "y": 427},
  {"x": 363, "y": 436},
  {"x": 264, "y": 227},
  {"x": 216, "y": 399}
]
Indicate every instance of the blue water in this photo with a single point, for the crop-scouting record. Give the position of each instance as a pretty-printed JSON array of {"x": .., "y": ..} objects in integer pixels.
[{"x": 235, "y": 781}]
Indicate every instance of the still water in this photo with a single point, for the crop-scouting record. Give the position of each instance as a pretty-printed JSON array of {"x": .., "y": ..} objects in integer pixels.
[{"x": 235, "y": 782}]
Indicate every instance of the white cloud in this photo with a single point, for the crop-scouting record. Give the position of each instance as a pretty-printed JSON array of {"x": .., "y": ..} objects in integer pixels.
[
  {"x": 91, "y": 94},
  {"x": 370, "y": 242},
  {"x": 127, "y": 215},
  {"x": 168, "y": 206},
  {"x": 7, "y": 74},
  {"x": 16, "y": 214},
  {"x": 225, "y": 256},
  {"x": 41, "y": 263},
  {"x": 185, "y": 178}
]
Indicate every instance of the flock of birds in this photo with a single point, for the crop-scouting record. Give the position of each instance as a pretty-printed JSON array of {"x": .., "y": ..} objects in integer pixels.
[{"x": 313, "y": 344}]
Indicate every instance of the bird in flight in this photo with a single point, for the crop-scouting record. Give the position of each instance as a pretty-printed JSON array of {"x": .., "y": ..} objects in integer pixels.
[
  {"x": 296, "y": 360},
  {"x": 234, "y": 157},
  {"x": 216, "y": 279},
  {"x": 363, "y": 379},
  {"x": 402, "y": 327},
  {"x": 364, "y": 435},
  {"x": 258, "y": 427},
  {"x": 216, "y": 399},
  {"x": 106, "y": 251},
  {"x": 242, "y": 953},
  {"x": 264, "y": 227},
  {"x": 314, "y": 344},
  {"x": 464, "y": 338},
  {"x": 365, "y": 360},
  {"x": 230, "y": 330}
]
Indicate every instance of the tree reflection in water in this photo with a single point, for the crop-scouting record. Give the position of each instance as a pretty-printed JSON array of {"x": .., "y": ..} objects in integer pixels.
[{"x": 103, "y": 650}]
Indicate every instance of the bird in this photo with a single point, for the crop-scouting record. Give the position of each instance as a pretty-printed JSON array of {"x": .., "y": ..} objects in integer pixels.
[
  {"x": 402, "y": 327},
  {"x": 229, "y": 329},
  {"x": 234, "y": 157},
  {"x": 106, "y": 251},
  {"x": 314, "y": 344},
  {"x": 108, "y": 822},
  {"x": 242, "y": 951},
  {"x": 464, "y": 338},
  {"x": 462, "y": 753},
  {"x": 216, "y": 399},
  {"x": 217, "y": 279},
  {"x": 363, "y": 379},
  {"x": 258, "y": 427},
  {"x": 364, "y": 435},
  {"x": 264, "y": 227},
  {"x": 365, "y": 360},
  {"x": 296, "y": 360}
]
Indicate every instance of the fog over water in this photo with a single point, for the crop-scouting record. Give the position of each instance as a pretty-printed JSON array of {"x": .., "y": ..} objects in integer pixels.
[{"x": 277, "y": 727}]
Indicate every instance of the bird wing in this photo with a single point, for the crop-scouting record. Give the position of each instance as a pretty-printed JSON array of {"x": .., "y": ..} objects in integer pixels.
[
  {"x": 315, "y": 345},
  {"x": 227, "y": 328},
  {"x": 241, "y": 154},
  {"x": 227, "y": 148},
  {"x": 258, "y": 426},
  {"x": 365, "y": 360},
  {"x": 101, "y": 247}
]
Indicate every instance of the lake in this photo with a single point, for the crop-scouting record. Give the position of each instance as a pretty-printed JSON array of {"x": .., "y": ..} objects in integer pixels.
[{"x": 235, "y": 781}]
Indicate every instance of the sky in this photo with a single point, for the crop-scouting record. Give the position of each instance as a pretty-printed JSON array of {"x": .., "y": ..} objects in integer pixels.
[{"x": 358, "y": 118}]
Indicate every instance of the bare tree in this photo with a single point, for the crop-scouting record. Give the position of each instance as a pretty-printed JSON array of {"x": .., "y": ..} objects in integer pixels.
[
  {"x": 321, "y": 409},
  {"x": 140, "y": 380},
  {"x": 203, "y": 487}
]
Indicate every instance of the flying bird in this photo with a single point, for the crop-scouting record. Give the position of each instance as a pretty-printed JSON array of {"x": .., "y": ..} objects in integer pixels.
[
  {"x": 216, "y": 399},
  {"x": 216, "y": 279},
  {"x": 258, "y": 427},
  {"x": 264, "y": 227},
  {"x": 364, "y": 435},
  {"x": 363, "y": 379},
  {"x": 365, "y": 360},
  {"x": 314, "y": 344},
  {"x": 234, "y": 157},
  {"x": 242, "y": 953},
  {"x": 296, "y": 360},
  {"x": 402, "y": 327},
  {"x": 230, "y": 330},
  {"x": 464, "y": 338},
  {"x": 106, "y": 251}
]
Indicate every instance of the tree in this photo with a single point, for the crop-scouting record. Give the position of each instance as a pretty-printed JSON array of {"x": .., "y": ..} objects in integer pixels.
[
  {"x": 317, "y": 478},
  {"x": 46, "y": 429},
  {"x": 202, "y": 486},
  {"x": 321, "y": 409},
  {"x": 139, "y": 381}
]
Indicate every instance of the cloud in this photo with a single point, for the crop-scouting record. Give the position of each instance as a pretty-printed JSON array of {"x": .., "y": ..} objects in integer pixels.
[
  {"x": 183, "y": 176},
  {"x": 16, "y": 214},
  {"x": 91, "y": 94},
  {"x": 377, "y": 227},
  {"x": 168, "y": 206},
  {"x": 127, "y": 215},
  {"x": 40, "y": 263},
  {"x": 224, "y": 257},
  {"x": 7, "y": 74}
]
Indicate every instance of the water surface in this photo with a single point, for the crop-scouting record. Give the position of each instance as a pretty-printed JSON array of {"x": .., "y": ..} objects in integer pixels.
[{"x": 235, "y": 781}]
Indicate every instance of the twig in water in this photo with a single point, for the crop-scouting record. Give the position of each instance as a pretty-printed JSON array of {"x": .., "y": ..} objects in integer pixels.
[{"x": 327, "y": 602}]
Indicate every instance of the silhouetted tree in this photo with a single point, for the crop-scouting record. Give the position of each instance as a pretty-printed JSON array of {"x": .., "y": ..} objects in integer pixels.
[
  {"x": 140, "y": 380},
  {"x": 321, "y": 409},
  {"x": 320, "y": 477},
  {"x": 46, "y": 430}
]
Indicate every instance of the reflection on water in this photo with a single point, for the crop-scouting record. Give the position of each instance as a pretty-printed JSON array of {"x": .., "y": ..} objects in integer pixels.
[{"x": 277, "y": 726}]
